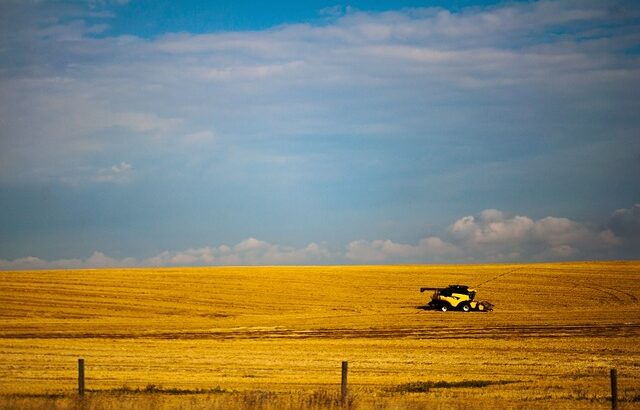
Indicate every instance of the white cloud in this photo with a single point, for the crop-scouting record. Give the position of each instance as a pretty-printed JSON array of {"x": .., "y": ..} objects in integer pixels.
[
  {"x": 490, "y": 227},
  {"x": 120, "y": 173},
  {"x": 250, "y": 72},
  {"x": 100, "y": 260},
  {"x": 79, "y": 95},
  {"x": 492, "y": 236},
  {"x": 251, "y": 251},
  {"x": 96, "y": 260},
  {"x": 31, "y": 262},
  {"x": 255, "y": 252},
  {"x": 429, "y": 249}
]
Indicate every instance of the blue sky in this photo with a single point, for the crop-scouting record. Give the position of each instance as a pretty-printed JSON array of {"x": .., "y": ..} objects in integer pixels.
[{"x": 159, "y": 133}]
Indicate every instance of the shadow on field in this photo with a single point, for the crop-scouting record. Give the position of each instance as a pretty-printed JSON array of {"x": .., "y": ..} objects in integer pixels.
[
  {"x": 426, "y": 307},
  {"x": 451, "y": 310}
]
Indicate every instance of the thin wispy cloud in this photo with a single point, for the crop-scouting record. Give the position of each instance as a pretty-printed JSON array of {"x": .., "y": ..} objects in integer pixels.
[
  {"x": 288, "y": 81},
  {"x": 116, "y": 174}
]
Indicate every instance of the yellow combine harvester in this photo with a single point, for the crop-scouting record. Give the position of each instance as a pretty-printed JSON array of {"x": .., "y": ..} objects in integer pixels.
[{"x": 456, "y": 297}]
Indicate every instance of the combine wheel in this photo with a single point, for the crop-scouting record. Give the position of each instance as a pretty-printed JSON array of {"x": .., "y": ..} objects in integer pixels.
[
  {"x": 444, "y": 307},
  {"x": 466, "y": 307}
]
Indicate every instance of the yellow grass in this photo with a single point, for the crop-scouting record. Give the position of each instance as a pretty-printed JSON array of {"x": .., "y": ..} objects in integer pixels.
[{"x": 274, "y": 337}]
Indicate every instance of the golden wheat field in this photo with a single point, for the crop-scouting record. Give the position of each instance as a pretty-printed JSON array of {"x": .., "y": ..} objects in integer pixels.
[{"x": 274, "y": 337}]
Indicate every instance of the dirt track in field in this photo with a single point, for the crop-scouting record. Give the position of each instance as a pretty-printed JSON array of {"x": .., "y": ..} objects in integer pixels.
[{"x": 495, "y": 332}]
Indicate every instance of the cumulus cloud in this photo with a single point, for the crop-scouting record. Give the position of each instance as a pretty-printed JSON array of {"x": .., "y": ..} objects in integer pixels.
[
  {"x": 428, "y": 249},
  {"x": 492, "y": 236},
  {"x": 100, "y": 260},
  {"x": 32, "y": 262},
  {"x": 625, "y": 222},
  {"x": 96, "y": 260},
  {"x": 248, "y": 252}
]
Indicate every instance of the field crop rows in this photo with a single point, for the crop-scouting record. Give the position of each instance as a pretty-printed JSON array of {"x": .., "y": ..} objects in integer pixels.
[{"x": 556, "y": 331}]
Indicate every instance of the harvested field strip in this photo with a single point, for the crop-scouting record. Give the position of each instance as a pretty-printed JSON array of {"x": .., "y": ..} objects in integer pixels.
[
  {"x": 424, "y": 387},
  {"x": 499, "y": 332}
]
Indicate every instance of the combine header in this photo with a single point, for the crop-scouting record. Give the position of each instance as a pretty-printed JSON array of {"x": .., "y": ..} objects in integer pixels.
[{"x": 458, "y": 297}]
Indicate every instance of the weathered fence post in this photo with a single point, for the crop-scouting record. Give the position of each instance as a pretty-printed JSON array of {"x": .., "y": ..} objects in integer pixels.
[
  {"x": 81, "y": 377},
  {"x": 344, "y": 391},
  {"x": 614, "y": 389}
]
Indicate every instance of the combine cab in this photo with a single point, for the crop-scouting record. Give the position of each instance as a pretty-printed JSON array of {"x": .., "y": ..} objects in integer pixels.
[{"x": 458, "y": 297}]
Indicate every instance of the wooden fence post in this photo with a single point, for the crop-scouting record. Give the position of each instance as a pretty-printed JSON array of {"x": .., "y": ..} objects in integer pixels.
[
  {"x": 614, "y": 389},
  {"x": 344, "y": 391},
  {"x": 81, "y": 377}
]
